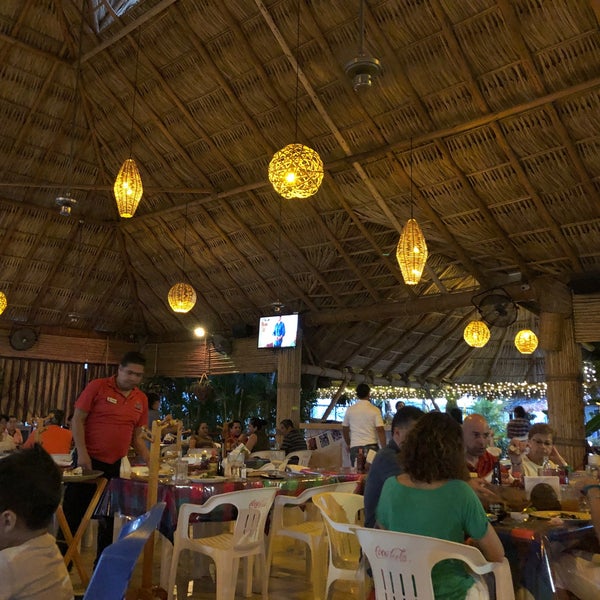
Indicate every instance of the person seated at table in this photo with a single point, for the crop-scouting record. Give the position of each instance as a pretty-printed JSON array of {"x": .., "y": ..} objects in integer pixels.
[
  {"x": 438, "y": 502},
  {"x": 13, "y": 431},
  {"x": 31, "y": 566},
  {"x": 7, "y": 444},
  {"x": 53, "y": 438},
  {"x": 201, "y": 439},
  {"x": 541, "y": 451},
  {"x": 257, "y": 435},
  {"x": 232, "y": 435},
  {"x": 293, "y": 440},
  {"x": 386, "y": 463},
  {"x": 477, "y": 437}
]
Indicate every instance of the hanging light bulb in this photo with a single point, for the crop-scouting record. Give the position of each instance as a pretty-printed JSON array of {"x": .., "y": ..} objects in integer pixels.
[
  {"x": 128, "y": 184},
  {"x": 526, "y": 341},
  {"x": 3, "y": 302},
  {"x": 477, "y": 334},
  {"x": 182, "y": 297},
  {"x": 128, "y": 189},
  {"x": 411, "y": 252},
  {"x": 296, "y": 171}
]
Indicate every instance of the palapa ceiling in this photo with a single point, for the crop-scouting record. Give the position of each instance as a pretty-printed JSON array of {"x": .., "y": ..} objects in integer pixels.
[{"x": 500, "y": 98}]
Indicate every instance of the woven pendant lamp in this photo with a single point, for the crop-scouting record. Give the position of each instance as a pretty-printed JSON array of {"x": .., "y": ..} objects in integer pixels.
[
  {"x": 296, "y": 171},
  {"x": 128, "y": 187},
  {"x": 3, "y": 302},
  {"x": 182, "y": 297},
  {"x": 477, "y": 334},
  {"x": 526, "y": 341},
  {"x": 411, "y": 252}
]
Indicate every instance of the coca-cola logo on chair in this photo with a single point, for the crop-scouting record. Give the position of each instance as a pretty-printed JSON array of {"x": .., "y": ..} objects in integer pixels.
[{"x": 398, "y": 554}]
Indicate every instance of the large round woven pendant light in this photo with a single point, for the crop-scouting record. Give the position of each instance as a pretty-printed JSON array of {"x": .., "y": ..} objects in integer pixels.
[
  {"x": 296, "y": 171},
  {"x": 411, "y": 252},
  {"x": 477, "y": 334},
  {"x": 526, "y": 341},
  {"x": 128, "y": 187},
  {"x": 182, "y": 296},
  {"x": 3, "y": 302}
]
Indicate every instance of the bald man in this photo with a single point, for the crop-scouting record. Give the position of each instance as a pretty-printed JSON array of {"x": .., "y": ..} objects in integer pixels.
[{"x": 477, "y": 436}]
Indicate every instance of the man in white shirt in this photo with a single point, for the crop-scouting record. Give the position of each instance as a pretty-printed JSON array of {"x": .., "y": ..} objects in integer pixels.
[{"x": 363, "y": 425}]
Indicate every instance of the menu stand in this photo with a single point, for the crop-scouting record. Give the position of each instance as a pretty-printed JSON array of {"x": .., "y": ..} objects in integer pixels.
[{"x": 72, "y": 553}]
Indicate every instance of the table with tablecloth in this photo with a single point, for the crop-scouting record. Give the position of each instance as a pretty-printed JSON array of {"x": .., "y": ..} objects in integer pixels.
[
  {"x": 533, "y": 549},
  {"x": 128, "y": 496}
]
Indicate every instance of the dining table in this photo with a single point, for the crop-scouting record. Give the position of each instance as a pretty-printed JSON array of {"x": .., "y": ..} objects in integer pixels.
[
  {"x": 127, "y": 497},
  {"x": 534, "y": 548}
]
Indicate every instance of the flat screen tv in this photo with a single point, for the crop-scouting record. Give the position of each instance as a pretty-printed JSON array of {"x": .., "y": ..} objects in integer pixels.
[{"x": 278, "y": 331}]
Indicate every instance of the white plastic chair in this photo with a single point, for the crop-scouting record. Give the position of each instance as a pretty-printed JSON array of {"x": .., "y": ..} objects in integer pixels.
[
  {"x": 246, "y": 541},
  {"x": 261, "y": 454},
  {"x": 341, "y": 513},
  {"x": 402, "y": 563},
  {"x": 310, "y": 531},
  {"x": 303, "y": 457}
]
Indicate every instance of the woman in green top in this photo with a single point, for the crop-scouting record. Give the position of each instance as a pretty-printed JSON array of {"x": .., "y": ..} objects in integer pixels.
[{"x": 432, "y": 498}]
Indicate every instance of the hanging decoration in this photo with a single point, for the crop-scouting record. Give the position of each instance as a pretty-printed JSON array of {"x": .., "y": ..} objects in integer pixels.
[
  {"x": 128, "y": 187},
  {"x": 3, "y": 302},
  {"x": 411, "y": 252},
  {"x": 526, "y": 341},
  {"x": 296, "y": 171},
  {"x": 477, "y": 334},
  {"x": 182, "y": 296}
]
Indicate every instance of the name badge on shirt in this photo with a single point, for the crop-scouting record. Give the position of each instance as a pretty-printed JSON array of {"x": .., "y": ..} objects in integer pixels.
[{"x": 111, "y": 400}]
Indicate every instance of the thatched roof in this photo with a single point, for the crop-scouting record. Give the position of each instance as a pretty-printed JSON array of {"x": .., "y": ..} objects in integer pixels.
[{"x": 500, "y": 98}]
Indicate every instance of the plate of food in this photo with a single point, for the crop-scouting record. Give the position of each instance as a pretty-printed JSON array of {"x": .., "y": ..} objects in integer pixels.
[
  {"x": 78, "y": 474},
  {"x": 562, "y": 515},
  {"x": 206, "y": 479}
]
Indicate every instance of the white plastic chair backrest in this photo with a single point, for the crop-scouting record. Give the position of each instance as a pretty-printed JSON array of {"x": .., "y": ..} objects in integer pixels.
[
  {"x": 401, "y": 562},
  {"x": 248, "y": 532},
  {"x": 251, "y": 501},
  {"x": 303, "y": 457},
  {"x": 341, "y": 513},
  {"x": 261, "y": 454}
]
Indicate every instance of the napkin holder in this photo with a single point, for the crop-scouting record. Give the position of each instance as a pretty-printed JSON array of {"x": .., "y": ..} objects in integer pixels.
[{"x": 531, "y": 481}]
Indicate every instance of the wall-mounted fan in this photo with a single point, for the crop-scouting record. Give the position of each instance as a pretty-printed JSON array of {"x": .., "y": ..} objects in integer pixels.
[
  {"x": 23, "y": 338},
  {"x": 496, "y": 307}
]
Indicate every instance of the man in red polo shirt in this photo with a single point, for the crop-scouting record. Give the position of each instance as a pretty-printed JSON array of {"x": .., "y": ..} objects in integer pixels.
[
  {"x": 109, "y": 416},
  {"x": 477, "y": 436}
]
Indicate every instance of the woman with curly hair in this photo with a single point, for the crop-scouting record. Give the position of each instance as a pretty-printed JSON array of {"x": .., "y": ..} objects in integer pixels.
[{"x": 432, "y": 498}]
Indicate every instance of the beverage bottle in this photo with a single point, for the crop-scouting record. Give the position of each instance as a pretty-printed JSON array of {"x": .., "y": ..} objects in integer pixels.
[
  {"x": 496, "y": 474},
  {"x": 213, "y": 463}
]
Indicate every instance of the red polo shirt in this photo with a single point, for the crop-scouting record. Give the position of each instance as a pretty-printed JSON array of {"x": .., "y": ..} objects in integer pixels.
[
  {"x": 485, "y": 464},
  {"x": 111, "y": 418}
]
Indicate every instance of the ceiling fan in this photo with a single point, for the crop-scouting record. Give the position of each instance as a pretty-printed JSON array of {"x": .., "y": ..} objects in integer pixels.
[{"x": 496, "y": 307}]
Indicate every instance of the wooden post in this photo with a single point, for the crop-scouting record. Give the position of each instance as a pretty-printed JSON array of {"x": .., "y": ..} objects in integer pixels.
[
  {"x": 289, "y": 369},
  {"x": 565, "y": 396}
]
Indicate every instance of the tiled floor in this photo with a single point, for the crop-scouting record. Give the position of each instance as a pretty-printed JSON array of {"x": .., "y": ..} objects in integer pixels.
[{"x": 288, "y": 579}]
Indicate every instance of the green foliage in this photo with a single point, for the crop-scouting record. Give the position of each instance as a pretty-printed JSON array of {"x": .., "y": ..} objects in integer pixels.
[
  {"x": 592, "y": 426},
  {"x": 216, "y": 399},
  {"x": 493, "y": 411}
]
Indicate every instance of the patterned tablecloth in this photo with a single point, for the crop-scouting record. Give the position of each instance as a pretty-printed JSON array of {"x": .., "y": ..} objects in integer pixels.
[
  {"x": 128, "y": 496},
  {"x": 533, "y": 550}
]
